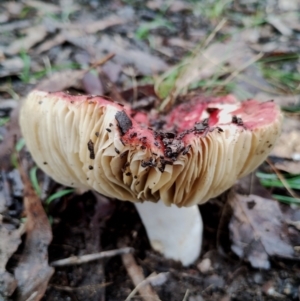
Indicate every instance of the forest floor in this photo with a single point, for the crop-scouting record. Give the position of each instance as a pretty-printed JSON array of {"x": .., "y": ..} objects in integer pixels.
[{"x": 119, "y": 49}]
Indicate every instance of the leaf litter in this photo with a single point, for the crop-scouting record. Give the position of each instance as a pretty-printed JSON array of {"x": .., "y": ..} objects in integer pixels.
[
  {"x": 34, "y": 258},
  {"x": 33, "y": 35},
  {"x": 258, "y": 230},
  {"x": 71, "y": 33},
  {"x": 10, "y": 239}
]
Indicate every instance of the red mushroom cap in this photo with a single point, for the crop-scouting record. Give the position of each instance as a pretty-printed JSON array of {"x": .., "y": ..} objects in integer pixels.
[{"x": 194, "y": 153}]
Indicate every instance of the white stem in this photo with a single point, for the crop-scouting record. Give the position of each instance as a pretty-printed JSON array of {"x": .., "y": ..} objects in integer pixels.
[{"x": 174, "y": 232}]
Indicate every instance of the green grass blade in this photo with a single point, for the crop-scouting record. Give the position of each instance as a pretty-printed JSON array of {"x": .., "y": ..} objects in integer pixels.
[
  {"x": 34, "y": 180},
  {"x": 286, "y": 199},
  {"x": 58, "y": 194}
]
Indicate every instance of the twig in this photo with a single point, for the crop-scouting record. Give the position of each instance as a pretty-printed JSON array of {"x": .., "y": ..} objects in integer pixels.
[
  {"x": 101, "y": 62},
  {"x": 214, "y": 32},
  {"x": 141, "y": 284},
  {"x": 154, "y": 279},
  {"x": 186, "y": 295},
  {"x": 74, "y": 260}
]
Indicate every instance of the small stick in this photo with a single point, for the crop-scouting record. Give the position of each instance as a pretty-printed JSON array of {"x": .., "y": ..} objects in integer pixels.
[
  {"x": 74, "y": 260},
  {"x": 101, "y": 61},
  {"x": 154, "y": 279},
  {"x": 186, "y": 295},
  {"x": 136, "y": 274}
]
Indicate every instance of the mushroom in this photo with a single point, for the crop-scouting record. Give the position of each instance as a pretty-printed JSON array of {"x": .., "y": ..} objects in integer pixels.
[{"x": 194, "y": 153}]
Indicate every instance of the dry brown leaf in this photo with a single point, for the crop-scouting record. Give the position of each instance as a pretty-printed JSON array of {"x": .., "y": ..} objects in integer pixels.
[
  {"x": 13, "y": 8},
  {"x": 99, "y": 25},
  {"x": 277, "y": 23},
  {"x": 92, "y": 84},
  {"x": 54, "y": 41},
  {"x": 4, "y": 17},
  {"x": 42, "y": 6},
  {"x": 12, "y": 135},
  {"x": 145, "y": 63},
  {"x": 62, "y": 80},
  {"x": 34, "y": 35},
  {"x": 75, "y": 31},
  {"x": 250, "y": 79},
  {"x": 292, "y": 19},
  {"x": 287, "y": 146},
  {"x": 258, "y": 230},
  {"x": 15, "y": 25},
  {"x": 288, "y": 5},
  {"x": 11, "y": 66},
  {"x": 34, "y": 259},
  {"x": 208, "y": 62},
  {"x": 10, "y": 239},
  {"x": 204, "y": 63},
  {"x": 112, "y": 71}
]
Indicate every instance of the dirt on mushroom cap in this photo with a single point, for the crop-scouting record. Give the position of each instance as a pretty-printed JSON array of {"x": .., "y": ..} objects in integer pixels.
[{"x": 194, "y": 153}]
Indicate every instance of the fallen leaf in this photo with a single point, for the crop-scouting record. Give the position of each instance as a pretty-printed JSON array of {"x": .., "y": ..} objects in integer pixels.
[
  {"x": 92, "y": 84},
  {"x": 287, "y": 147},
  {"x": 291, "y": 18},
  {"x": 250, "y": 79},
  {"x": 12, "y": 135},
  {"x": 33, "y": 271},
  {"x": 4, "y": 17},
  {"x": 10, "y": 239},
  {"x": 277, "y": 23},
  {"x": 42, "y": 6},
  {"x": 11, "y": 66},
  {"x": 288, "y": 5},
  {"x": 258, "y": 230},
  {"x": 233, "y": 58},
  {"x": 73, "y": 32},
  {"x": 54, "y": 41},
  {"x": 15, "y": 25},
  {"x": 99, "y": 25},
  {"x": 296, "y": 224},
  {"x": 14, "y": 8},
  {"x": 62, "y": 80},
  {"x": 34, "y": 35},
  {"x": 145, "y": 62},
  {"x": 112, "y": 71}
]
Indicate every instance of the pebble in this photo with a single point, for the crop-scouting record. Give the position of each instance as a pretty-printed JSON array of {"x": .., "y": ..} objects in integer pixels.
[{"x": 205, "y": 266}]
